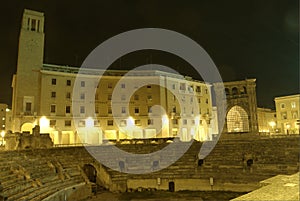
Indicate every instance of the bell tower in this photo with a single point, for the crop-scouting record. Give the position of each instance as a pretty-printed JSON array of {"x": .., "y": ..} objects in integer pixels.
[{"x": 26, "y": 82}]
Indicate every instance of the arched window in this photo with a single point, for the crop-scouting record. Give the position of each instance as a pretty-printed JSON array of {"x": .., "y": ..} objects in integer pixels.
[
  {"x": 234, "y": 91},
  {"x": 226, "y": 91},
  {"x": 237, "y": 120}
]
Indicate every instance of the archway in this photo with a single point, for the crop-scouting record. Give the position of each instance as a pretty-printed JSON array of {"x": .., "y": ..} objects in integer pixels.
[
  {"x": 27, "y": 127},
  {"x": 90, "y": 172},
  {"x": 237, "y": 120}
]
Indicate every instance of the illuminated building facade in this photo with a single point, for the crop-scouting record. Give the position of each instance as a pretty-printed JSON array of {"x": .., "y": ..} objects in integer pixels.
[
  {"x": 75, "y": 107},
  {"x": 266, "y": 120},
  {"x": 287, "y": 112}
]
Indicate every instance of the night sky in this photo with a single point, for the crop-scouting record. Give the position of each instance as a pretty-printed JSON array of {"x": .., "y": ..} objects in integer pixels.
[{"x": 245, "y": 38}]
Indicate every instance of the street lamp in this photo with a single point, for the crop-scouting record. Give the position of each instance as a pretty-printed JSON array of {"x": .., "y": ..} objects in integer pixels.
[
  {"x": 2, "y": 135},
  {"x": 272, "y": 124}
]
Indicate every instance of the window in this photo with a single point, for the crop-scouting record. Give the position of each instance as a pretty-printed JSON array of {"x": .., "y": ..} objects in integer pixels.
[
  {"x": 109, "y": 85},
  {"x": 234, "y": 91},
  {"x": 53, "y": 81},
  {"x": 199, "y": 100},
  {"x": 53, "y": 108},
  {"x": 184, "y": 121},
  {"x": 173, "y": 86},
  {"x": 149, "y": 97},
  {"x": 283, "y": 115},
  {"x": 28, "y": 107},
  {"x": 174, "y": 121},
  {"x": 96, "y": 123},
  {"x": 123, "y": 123},
  {"x": 227, "y": 91},
  {"x": 206, "y": 91},
  {"x": 136, "y": 110},
  {"x": 52, "y": 123},
  {"x": 109, "y": 110},
  {"x": 110, "y": 122},
  {"x": 123, "y": 97},
  {"x": 293, "y": 104},
  {"x": 68, "y": 123},
  {"x": 137, "y": 122},
  {"x": 97, "y": 109},
  {"x": 174, "y": 109},
  {"x": 68, "y": 82},
  {"x": 53, "y": 94},
  {"x": 33, "y": 25},
  {"x": 82, "y": 96},
  {"x": 149, "y": 109},
  {"x": 123, "y": 110},
  {"x": 198, "y": 89},
  {"x": 149, "y": 86},
  {"x": 150, "y": 121},
  {"x": 282, "y": 105},
  {"x": 123, "y": 86},
  {"x": 81, "y": 123},
  {"x": 68, "y": 109},
  {"x": 206, "y": 101},
  {"x": 136, "y": 97},
  {"x": 82, "y": 109},
  {"x": 82, "y": 83},
  {"x": 68, "y": 95},
  {"x": 182, "y": 86},
  {"x": 295, "y": 115},
  {"x": 191, "y": 89},
  {"x": 109, "y": 97}
]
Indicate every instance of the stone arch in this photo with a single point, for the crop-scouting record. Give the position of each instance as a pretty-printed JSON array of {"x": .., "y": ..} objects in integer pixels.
[
  {"x": 237, "y": 120},
  {"x": 91, "y": 172},
  {"x": 27, "y": 127}
]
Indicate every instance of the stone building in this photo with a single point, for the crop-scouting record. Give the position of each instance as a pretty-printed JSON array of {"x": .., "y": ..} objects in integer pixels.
[
  {"x": 266, "y": 120},
  {"x": 287, "y": 112},
  {"x": 241, "y": 105},
  {"x": 75, "y": 107}
]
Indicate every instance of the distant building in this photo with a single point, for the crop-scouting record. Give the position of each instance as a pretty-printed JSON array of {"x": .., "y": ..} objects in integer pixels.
[
  {"x": 287, "y": 112},
  {"x": 266, "y": 120},
  {"x": 44, "y": 94}
]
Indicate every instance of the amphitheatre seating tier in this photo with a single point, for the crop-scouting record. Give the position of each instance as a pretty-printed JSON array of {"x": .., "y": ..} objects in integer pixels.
[{"x": 36, "y": 174}]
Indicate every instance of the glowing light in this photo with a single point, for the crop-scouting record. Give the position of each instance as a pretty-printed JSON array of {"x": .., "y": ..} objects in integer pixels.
[
  {"x": 288, "y": 126},
  {"x": 2, "y": 134},
  {"x": 272, "y": 123},
  {"x": 44, "y": 122},
  {"x": 165, "y": 120},
  {"x": 7, "y": 110},
  {"x": 130, "y": 122},
  {"x": 89, "y": 123},
  {"x": 197, "y": 120}
]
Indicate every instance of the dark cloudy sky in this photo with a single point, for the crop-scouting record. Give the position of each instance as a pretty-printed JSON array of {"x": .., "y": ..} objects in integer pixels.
[{"x": 245, "y": 38}]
